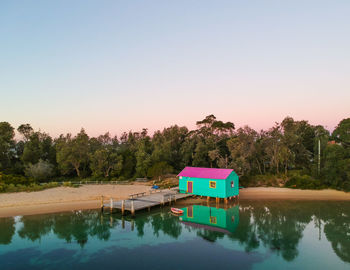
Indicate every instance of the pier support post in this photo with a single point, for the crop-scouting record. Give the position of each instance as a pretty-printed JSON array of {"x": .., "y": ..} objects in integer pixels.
[
  {"x": 132, "y": 208},
  {"x": 163, "y": 200},
  {"x": 110, "y": 221},
  {"x": 123, "y": 206},
  {"x": 111, "y": 204},
  {"x": 132, "y": 225},
  {"x": 102, "y": 203},
  {"x": 208, "y": 198},
  {"x": 123, "y": 223},
  {"x": 226, "y": 201}
]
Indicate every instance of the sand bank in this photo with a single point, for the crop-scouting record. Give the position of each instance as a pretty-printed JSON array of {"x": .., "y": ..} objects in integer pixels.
[
  {"x": 270, "y": 193},
  {"x": 88, "y": 197},
  {"x": 63, "y": 199}
]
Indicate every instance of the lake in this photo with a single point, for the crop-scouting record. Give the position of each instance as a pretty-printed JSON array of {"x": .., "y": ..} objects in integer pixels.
[{"x": 251, "y": 235}]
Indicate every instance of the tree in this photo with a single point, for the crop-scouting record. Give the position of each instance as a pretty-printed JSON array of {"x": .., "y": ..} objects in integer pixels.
[
  {"x": 166, "y": 146},
  {"x": 26, "y": 130},
  {"x": 106, "y": 160},
  {"x": 215, "y": 156},
  {"x": 40, "y": 171},
  {"x": 336, "y": 168},
  {"x": 143, "y": 158},
  {"x": 211, "y": 138},
  {"x": 7, "y": 144},
  {"x": 159, "y": 169},
  {"x": 242, "y": 150},
  {"x": 73, "y": 153},
  {"x": 342, "y": 133}
]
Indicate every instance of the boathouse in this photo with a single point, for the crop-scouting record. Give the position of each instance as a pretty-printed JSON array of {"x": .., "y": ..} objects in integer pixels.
[
  {"x": 209, "y": 182},
  {"x": 211, "y": 218}
]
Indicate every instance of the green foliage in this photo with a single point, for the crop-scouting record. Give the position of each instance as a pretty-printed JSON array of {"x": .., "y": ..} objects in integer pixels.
[
  {"x": 73, "y": 153},
  {"x": 42, "y": 170},
  {"x": 104, "y": 163},
  {"x": 14, "y": 179},
  {"x": 7, "y": 143},
  {"x": 159, "y": 169},
  {"x": 105, "y": 160},
  {"x": 263, "y": 180},
  {"x": 336, "y": 166},
  {"x": 289, "y": 151},
  {"x": 342, "y": 132},
  {"x": 143, "y": 157},
  {"x": 15, "y": 183},
  {"x": 304, "y": 182}
]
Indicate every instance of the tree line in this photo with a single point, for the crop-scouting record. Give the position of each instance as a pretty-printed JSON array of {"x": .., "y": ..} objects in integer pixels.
[{"x": 292, "y": 153}]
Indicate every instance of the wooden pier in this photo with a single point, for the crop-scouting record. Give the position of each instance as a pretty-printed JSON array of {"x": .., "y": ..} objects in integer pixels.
[{"x": 141, "y": 201}]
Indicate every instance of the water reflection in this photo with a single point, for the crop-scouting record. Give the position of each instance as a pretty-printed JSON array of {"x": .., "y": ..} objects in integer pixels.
[
  {"x": 273, "y": 225},
  {"x": 7, "y": 230},
  {"x": 211, "y": 223}
]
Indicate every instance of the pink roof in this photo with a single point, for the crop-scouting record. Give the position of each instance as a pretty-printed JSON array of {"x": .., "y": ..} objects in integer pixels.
[{"x": 211, "y": 173}]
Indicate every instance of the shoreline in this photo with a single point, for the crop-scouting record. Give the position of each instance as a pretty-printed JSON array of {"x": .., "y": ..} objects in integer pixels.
[{"x": 64, "y": 199}]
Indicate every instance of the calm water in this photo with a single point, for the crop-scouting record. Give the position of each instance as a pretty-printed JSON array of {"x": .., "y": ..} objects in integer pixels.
[{"x": 252, "y": 235}]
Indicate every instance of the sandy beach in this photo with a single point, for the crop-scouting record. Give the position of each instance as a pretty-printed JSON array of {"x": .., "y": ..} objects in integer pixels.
[
  {"x": 63, "y": 199},
  {"x": 88, "y": 197}
]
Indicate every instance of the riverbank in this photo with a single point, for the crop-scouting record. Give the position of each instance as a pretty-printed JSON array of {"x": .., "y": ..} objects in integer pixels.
[{"x": 88, "y": 197}]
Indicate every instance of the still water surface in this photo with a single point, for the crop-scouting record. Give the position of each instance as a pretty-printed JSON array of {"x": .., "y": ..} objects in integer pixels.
[{"x": 251, "y": 235}]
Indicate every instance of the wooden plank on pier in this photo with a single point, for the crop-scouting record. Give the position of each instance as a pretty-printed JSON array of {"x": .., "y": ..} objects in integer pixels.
[{"x": 146, "y": 201}]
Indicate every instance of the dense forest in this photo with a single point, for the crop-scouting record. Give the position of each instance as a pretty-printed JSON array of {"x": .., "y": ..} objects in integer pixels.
[{"x": 291, "y": 153}]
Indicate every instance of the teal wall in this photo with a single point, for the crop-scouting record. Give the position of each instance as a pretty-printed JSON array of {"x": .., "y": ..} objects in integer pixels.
[
  {"x": 225, "y": 219},
  {"x": 201, "y": 186},
  {"x": 235, "y": 190}
]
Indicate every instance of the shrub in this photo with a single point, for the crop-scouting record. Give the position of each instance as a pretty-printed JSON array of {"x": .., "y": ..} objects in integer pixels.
[
  {"x": 2, "y": 187},
  {"x": 158, "y": 169},
  {"x": 260, "y": 180},
  {"x": 14, "y": 179},
  {"x": 67, "y": 184},
  {"x": 40, "y": 171},
  {"x": 303, "y": 182},
  {"x": 346, "y": 186}
]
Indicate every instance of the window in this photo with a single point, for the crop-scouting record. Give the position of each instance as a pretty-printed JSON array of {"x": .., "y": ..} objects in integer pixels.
[
  {"x": 180, "y": 177},
  {"x": 232, "y": 184},
  {"x": 213, "y": 220},
  {"x": 212, "y": 184}
]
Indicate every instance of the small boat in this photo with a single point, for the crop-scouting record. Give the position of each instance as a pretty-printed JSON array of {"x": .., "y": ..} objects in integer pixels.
[{"x": 177, "y": 211}]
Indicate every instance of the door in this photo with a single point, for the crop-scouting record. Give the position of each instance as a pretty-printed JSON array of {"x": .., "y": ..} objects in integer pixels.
[{"x": 189, "y": 186}]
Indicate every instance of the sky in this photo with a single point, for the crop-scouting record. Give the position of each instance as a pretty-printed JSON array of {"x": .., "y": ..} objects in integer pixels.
[{"x": 126, "y": 65}]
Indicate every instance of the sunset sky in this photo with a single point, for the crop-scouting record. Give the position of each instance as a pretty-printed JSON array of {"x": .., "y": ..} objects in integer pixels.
[{"x": 124, "y": 65}]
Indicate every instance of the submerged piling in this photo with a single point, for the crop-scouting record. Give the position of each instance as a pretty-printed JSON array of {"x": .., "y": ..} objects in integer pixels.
[
  {"x": 123, "y": 206},
  {"x": 111, "y": 204},
  {"x": 132, "y": 208}
]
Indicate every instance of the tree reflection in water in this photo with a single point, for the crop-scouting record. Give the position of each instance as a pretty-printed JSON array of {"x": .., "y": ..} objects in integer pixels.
[
  {"x": 275, "y": 225},
  {"x": 7, "y": 230},
  {"x": 336, "y": 217}
]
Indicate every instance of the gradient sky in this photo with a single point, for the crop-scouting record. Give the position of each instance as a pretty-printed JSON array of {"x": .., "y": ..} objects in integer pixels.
[{"x": 124, "y": 65}]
